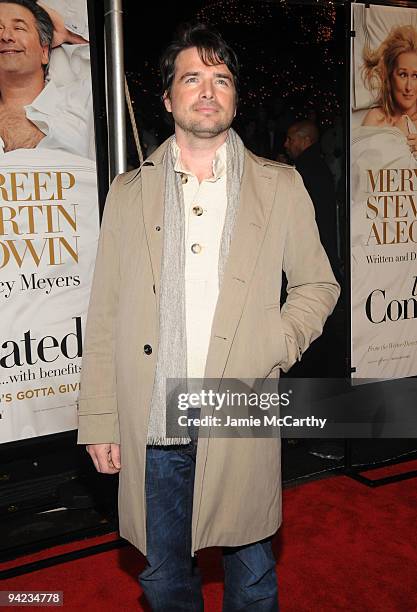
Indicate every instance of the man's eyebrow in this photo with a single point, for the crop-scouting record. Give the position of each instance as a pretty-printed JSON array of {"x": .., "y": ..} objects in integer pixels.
[
  {"x": 217, "y": 75},
  {"x": 187, "y": 74},
  {"x": 222, "y": 75},
  {"x": 19, "y": 20}
]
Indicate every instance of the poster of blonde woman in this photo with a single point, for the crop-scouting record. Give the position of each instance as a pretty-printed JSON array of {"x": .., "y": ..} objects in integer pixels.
[
  {"x": 48, "y": 212},
  {"x": 384, "y": 192}
]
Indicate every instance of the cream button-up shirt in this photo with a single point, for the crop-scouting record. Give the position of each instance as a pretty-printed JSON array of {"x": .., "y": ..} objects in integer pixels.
[{"x": 205, "y": 206}]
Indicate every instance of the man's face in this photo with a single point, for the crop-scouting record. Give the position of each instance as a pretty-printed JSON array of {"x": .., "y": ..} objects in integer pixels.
[
  {"x": 294, "y": 144},
  {"x": 202, "y": 98},
  {"x": 21, "y": 51}
]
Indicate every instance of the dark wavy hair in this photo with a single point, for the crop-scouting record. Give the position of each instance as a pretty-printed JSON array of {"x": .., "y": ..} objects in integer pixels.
[
  {"x": 211, "y": 48},
  {"x": 43, "y": 21}
]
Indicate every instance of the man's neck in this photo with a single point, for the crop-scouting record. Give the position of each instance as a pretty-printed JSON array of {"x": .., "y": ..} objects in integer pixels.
[
  {"x": 17, "y": 93},
  {"x": 197, "y": 154},
  {"x": 306, "y": 151}
]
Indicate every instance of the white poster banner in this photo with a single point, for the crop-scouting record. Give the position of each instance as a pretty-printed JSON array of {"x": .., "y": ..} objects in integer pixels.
[
  {"x": 48, "y": 237},
  {"x": 49, "y": 218},
  {"x": 384, "y": 192}
]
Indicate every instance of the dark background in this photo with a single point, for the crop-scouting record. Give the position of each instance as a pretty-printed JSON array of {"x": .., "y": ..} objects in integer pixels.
[{"x": 292, "y": 55}]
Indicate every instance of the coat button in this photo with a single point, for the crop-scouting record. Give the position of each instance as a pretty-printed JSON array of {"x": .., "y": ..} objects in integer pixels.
[
  {"x": 158, "y": 228},
  {"x": 147, "y": 349},
  {"x": 184, "y": 178},
  {"x": 196, "y": 248},
  {"x": 197, "y": 210}
]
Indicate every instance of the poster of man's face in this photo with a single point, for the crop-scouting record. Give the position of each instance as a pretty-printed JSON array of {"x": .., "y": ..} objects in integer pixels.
[{"x": 48, "y": 212}]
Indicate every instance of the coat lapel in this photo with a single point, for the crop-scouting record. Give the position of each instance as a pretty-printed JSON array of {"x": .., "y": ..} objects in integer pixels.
[
  {"x": 257, "y": 196},
  {"x": 256, "y": 199}
]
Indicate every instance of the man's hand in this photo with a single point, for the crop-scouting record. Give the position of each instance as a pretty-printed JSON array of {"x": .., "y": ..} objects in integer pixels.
[
  {"x": 106, "y": 457},
  {"x": 61, "y": 34}
]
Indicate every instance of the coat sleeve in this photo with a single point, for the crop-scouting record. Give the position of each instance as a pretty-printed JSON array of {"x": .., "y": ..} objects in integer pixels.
[
  {"x": 97, "y": 411},
  {"x": 312, "y": 288}
]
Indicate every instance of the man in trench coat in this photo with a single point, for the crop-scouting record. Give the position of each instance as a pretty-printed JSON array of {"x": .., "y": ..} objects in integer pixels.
[{"x": 177, "y": 499}]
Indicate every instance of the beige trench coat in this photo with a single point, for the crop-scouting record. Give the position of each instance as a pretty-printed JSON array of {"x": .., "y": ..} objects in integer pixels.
[{"x": 237, "y": 493}]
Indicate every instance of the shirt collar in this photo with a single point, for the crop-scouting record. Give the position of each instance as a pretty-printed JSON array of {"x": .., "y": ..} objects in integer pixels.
[
  {"x": 46, "y": 101},
  {"x": 219, "y": 161}
]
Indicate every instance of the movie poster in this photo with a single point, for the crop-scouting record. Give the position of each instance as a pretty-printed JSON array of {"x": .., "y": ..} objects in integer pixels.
[
  {"x": 384, "y": 192},
  {"x": 48, "y": 214}
]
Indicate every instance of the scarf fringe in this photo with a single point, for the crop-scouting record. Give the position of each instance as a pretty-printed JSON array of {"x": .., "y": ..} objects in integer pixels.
[{"x": 162, "y": 441}]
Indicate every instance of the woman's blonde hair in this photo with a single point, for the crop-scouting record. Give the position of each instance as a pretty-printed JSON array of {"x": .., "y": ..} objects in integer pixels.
[{"x": 380, "y": 64}]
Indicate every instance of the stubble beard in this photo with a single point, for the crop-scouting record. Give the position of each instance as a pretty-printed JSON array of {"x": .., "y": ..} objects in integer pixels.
[{"x": 199, "y": 129}]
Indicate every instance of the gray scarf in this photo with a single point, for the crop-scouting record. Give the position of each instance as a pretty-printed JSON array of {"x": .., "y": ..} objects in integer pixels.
[{"x": 172, "y": 352}]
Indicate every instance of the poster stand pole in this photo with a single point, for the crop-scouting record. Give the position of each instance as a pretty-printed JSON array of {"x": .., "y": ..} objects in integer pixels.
[
  {"x": 115, "y": 81},
  {"x": 356, "y": 472}
]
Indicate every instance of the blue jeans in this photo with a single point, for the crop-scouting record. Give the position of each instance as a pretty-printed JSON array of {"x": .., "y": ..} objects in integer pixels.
[{"x": 171, "y": 580}]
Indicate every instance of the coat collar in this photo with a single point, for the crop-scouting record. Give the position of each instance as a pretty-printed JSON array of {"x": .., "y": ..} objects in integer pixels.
[{"x": 156, "y": 158}]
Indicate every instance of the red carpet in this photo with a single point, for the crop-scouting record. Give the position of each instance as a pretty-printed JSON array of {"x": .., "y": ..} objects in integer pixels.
[{"x": 343, "y": 546}]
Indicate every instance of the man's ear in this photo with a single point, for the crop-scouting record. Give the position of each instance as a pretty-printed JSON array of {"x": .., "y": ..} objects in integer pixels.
[
  {"x": 45, "y": 55},
  {"x": 167, "y": 102}
]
